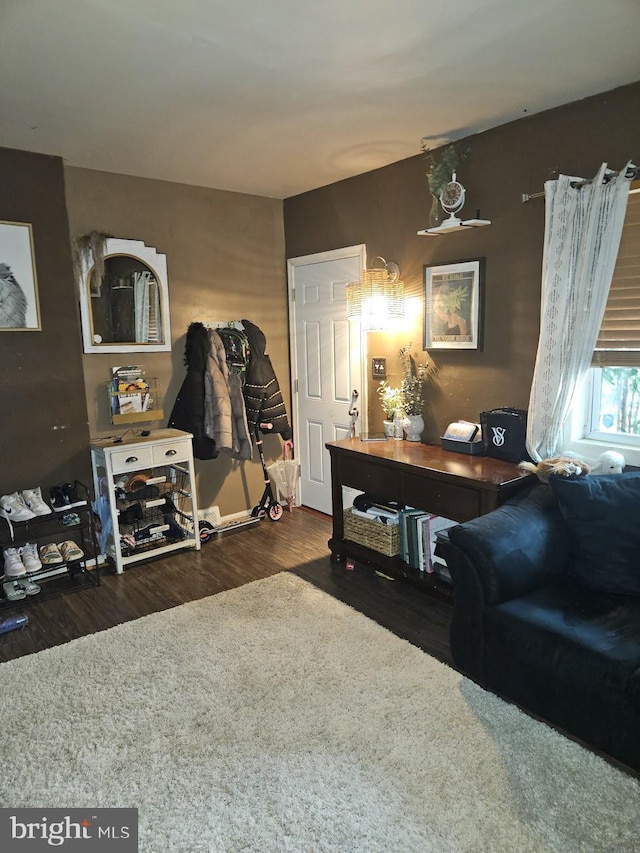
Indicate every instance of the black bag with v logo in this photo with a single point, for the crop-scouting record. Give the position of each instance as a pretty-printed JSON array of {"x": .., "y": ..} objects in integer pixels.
[{"x": 504, "y": 434}]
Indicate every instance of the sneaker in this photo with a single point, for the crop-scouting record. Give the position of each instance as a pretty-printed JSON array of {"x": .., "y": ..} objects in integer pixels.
[
  {"x": 13, "y": 508},
  {"x": 13, "y": 591},
  {"x": 58, "y": 500},
  {"x": 70, "y": 551},
  {"x": 34, "y": 502},
  {"x": 13, "y": 565},
  {"x": 29, "y": 556},
  {"x": 70, "y": 518},
  {"x": 50, "y": 554},
  {"x": 70, "y": 491}
]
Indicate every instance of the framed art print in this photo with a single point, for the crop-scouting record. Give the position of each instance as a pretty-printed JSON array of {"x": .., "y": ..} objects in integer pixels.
[
  {"x": 19, "y": 308},
  {"x": 452, "y": 305}
]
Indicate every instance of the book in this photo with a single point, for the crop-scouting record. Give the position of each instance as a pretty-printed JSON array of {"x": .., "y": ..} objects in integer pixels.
[
  {"x": 129, "y": 390},
  {"x": 408, "y": 535},
  {"x": 436, "y": 524},
  {"x": 424, "y": 548}
]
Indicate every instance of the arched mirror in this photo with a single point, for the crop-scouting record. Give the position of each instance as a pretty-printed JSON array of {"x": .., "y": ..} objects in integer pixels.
[{"x": 127, "y": 308}]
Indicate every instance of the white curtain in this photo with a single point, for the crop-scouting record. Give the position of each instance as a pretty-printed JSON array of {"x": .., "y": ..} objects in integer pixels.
[
  {"x": 581, "y": 240},
  {"x": 141, "y": 306}
]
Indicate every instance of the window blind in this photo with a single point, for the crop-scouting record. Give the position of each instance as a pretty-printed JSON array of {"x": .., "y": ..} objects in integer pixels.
[{"x": 618, "y": 342}]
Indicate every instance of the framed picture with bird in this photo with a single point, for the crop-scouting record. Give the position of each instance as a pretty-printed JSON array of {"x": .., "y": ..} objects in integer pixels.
[{"x": 19, "y": 306}]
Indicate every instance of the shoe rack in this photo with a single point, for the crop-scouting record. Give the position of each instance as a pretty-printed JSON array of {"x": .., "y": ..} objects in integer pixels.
[
  {"x": 146, "y": 496},
  {"x": 53, "y": 529}
]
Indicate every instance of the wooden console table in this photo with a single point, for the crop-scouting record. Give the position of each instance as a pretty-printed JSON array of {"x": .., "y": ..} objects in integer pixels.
[{"x": 424, "y": 476}]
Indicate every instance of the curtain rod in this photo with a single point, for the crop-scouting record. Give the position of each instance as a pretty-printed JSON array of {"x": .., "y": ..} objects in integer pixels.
[{"x": 630, "y": 173}]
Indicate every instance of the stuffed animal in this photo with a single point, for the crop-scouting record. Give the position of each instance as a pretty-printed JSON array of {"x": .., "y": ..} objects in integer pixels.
[
  {"x": 609, "y": 462},
  {"x": 565, "y": 466}
]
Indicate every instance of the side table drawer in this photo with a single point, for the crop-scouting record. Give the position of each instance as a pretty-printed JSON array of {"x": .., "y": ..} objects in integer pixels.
[
  {"x": 447, "y": 499},
  {"x": 131, "y": 459},
  {"x": 177, "y": 451},
  {"x": 374, "y": 479}
]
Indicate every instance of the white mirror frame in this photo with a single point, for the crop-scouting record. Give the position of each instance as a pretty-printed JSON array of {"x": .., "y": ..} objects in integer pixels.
[{"x": 158, "y": 264}]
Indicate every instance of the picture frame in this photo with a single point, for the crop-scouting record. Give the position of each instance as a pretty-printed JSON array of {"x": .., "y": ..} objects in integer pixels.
[
  {"x": 19, "y": 304},
  {"x": 453, "y": 295}
]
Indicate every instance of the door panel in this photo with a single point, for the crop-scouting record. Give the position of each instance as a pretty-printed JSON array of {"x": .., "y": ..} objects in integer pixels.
[{"x": 326, "y": 359}]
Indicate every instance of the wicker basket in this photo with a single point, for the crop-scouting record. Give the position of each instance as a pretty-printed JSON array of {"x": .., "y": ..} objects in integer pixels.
[{"x": 375, "y": 535}]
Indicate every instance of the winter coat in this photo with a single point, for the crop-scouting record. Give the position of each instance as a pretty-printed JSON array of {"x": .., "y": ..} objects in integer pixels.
[
  {"x": 218, "y": 421},
  {"x": 188, "y": 410},
  {"x": 242, "y": 447},
  {"x": 262, "y": 394}
]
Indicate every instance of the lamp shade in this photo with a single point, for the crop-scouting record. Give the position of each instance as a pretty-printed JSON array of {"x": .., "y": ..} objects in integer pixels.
[{"x": 377, "y": 298}]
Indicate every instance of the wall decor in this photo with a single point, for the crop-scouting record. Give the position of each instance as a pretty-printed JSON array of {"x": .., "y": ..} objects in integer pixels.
[
  {"x": 124, "y": 297},
  {"x": 19, "y": 308},
  {"x": 452, "y": 305}
]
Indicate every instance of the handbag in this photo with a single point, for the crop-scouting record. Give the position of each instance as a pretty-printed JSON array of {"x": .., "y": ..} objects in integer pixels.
[{"x": 504, "y": 433}]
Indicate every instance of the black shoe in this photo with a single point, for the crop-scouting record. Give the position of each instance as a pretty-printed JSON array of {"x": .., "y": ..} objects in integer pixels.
[
  {"x": 58, "y": 500},
  {"x": 145, "y": 492},
  {"x": 70, "y": 491},
  {"x": 131, "y": 514},
  {"x": 175, "y": 532}
]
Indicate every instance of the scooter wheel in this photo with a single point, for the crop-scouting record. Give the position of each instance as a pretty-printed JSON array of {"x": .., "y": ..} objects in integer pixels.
[
  {"x": 275, "y": 512},
  {"x": 205, "y": 531}
]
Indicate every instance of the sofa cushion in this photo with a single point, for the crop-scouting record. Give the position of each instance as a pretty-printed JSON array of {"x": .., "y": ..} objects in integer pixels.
[
  {"x": 603, "y": 518},
  {"x": 516, "y": 547},
  {"x": 589, "y": 642}
]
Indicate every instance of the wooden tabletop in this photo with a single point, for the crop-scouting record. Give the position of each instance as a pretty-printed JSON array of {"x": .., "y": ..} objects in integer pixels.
[{"x": 431, "y": 457}]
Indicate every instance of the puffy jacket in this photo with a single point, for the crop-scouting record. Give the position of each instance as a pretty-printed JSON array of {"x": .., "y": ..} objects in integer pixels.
[
  {"x": 262, "y": 394},
  {"x": 188, "y": 410}
]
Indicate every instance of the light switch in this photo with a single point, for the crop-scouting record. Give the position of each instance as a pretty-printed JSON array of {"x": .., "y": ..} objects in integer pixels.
[{"x": 379, "y": 368}]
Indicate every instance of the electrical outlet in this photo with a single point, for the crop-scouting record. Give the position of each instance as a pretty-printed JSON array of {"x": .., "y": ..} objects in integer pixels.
[{"x": 379, "y": 368}]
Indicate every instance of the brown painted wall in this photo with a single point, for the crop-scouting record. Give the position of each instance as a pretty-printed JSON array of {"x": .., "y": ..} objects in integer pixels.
[
  {"x": 385, "y": 209},
  {"x": 225, "y": 258},
  {"x": 44, "y": 437},
  {"x": 225, "y": 255}
]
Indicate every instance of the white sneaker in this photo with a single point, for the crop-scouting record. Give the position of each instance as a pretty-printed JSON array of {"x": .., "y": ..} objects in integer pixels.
[
  {"x": 13, "y": 508},
  {"x": 34, "y": 502},
  {"x": 29, "y": 556},
  {"x": 13, "y": 565}
]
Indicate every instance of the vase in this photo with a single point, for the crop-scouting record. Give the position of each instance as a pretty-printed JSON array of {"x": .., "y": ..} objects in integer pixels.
[
  {"x": 435, "y": 218},
  {"x": 413, "y": 427},
  {"x": 389, "y": 428},
  {"x": 398, "y": 429}
]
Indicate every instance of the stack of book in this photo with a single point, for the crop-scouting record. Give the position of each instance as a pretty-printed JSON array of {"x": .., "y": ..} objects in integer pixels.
[{"x": 418, "y": 533}]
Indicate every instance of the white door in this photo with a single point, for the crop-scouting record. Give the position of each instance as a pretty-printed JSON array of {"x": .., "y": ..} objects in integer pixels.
[{"x": 326, "y": 364}]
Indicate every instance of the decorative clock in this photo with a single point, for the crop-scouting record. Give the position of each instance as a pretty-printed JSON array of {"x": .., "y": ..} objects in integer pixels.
[{"x": 452, "y": 199}]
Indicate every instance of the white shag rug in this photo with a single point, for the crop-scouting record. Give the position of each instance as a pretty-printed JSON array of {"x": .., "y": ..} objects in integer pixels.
[{"x": 275, "y": 718}]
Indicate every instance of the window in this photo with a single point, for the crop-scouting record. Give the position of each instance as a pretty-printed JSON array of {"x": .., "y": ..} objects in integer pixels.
[
  {"x": 609, "y": 410},
  {"x": 615, "y": 404}
]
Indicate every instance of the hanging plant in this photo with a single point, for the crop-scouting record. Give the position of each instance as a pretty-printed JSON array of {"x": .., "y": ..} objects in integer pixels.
[{"x": 440, "y": 169}]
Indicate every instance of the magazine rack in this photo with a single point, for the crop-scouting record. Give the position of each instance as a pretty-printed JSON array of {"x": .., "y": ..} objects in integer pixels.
[{"x": 126, "y": 407}]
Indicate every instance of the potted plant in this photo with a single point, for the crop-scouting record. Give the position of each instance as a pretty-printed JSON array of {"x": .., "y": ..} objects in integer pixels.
[
  {"x": 391, "y": 402},
  {"x": 412, "y": 394}
]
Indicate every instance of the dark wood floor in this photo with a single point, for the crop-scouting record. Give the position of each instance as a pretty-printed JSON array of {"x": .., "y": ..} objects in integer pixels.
[{"x": 297, "y": 543}]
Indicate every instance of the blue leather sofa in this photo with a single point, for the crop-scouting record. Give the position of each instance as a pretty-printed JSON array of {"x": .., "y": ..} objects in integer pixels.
[{"x": 530, "y": 625}]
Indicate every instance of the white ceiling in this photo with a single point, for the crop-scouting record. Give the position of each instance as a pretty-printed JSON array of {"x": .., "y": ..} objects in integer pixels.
[{"x": 276, "y": 97}]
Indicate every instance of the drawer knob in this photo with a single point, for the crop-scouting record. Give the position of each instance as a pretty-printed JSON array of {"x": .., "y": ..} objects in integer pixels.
[
  {"x": 131, "y": 459},
  {"x": 171, "y": 452}
]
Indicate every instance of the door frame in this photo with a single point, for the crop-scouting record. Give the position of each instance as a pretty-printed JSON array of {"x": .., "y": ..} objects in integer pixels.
[{"x": 357, "y": 339}]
